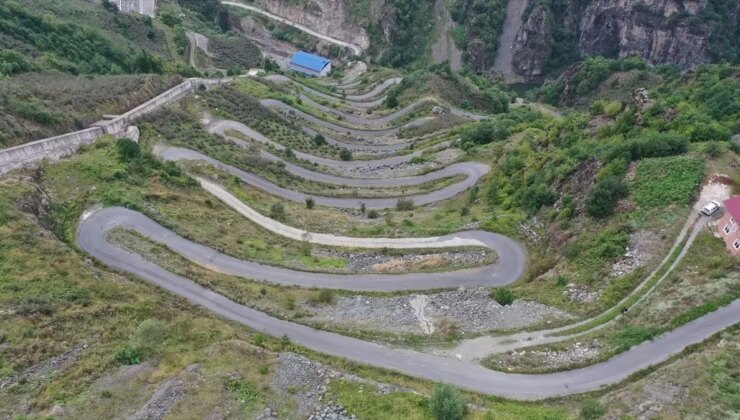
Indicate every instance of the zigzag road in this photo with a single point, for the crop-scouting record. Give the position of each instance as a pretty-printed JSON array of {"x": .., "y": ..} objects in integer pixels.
[{"x": 91, "y": 237}]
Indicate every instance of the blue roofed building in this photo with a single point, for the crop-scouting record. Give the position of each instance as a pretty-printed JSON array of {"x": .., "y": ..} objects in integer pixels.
[{"x": 310, "y": 64}]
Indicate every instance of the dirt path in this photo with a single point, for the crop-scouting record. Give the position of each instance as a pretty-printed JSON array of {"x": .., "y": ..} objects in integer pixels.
[
  {"x": 514, "y": 12},
  {"x": 354, "y": 47},
  {"x": 444, "y": 48}
]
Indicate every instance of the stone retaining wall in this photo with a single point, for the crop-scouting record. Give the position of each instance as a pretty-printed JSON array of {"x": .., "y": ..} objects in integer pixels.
[{"x": 64, "y": 145}]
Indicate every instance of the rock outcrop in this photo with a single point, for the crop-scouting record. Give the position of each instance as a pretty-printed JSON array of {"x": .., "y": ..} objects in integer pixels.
[
  {"x": 659, "y": 31},
  {"x": 646, "y": 28},
  {"x": 532, "y": 45}
]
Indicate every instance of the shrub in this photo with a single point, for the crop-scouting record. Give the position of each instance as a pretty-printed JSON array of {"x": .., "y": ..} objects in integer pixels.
[
  {"x": 246, "y": 393},
  {"x": 373, "y": 214},
  {"x": 503, "y": 296},
  {"x": 319, "y": 140},
  {"x": 345, "y": 154},
  {"x": 536, "y": 196},
  {"x": 483, "y": 133},
  {"x": 128, "y": 149},
  {"x": 277, "y": 212},
  {"x": 592, "y": 410},
  {"x": 404, "y": 204},
  {"x": 128, "y": 356},
  {"x": 310, "y": 203},
  {"x": 604, "y": 195},
  {"x": 446, "y": 403},
  {"x": 325, "y": 297},
  {"x": 258, "y": 339},
  {"x": 289, "y": 302}
]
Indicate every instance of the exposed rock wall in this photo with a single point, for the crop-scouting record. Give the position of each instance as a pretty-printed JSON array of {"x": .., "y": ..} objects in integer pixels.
[
  {"x": 328, "y": 17},
  {"x": 659, "y": 31},
  {"x": 644, "y": 28}
]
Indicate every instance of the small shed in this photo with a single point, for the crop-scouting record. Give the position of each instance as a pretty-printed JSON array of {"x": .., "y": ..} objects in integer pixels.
[{"x": 310, "y": 64}]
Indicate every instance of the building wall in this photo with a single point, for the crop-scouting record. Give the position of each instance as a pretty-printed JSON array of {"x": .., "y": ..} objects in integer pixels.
[{"x": 729, "y": 230}]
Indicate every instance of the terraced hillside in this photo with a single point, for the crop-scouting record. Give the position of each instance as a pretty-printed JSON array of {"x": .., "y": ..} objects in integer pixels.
[
  {"x": 385, "y": 243},
  {"x": 276, "y": 204}
]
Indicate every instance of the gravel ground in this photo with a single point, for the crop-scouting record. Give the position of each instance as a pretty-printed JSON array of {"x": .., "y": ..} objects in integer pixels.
[
  {"x": 465, "y": 310},
  {"x": 547, "y": 360},
  {"x": 164, "y": 397},
  {"x": 642, "y": 248},
  {"x": 305, "y": 381},
  {"x": 358, "y": 262}
]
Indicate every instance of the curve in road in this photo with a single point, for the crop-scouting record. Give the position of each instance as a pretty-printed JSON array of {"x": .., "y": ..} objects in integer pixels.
[
  {"x": 474, "y": 171},
  {"x": 507, "y": 268},
  {"x": 221, "y": 127},
  {"x": 91, "y": 237}
]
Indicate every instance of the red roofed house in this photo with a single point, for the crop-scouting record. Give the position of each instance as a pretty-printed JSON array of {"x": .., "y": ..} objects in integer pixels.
[{"x": 728, "y": 225}]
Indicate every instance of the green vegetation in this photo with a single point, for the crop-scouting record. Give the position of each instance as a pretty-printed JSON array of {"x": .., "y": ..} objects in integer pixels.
[
  {"x": 73, "y": 48},
  {"x": 503, "y": 296},
  {"x": 664, "y": 181},
  {"x": 482, "y": 21},
  {"x": 446, "y": 403},
  {"x": 412, "y": 29}
]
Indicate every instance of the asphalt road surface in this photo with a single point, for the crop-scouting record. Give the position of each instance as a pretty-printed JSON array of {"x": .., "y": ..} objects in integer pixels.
[{"x": 91, "y": 237}]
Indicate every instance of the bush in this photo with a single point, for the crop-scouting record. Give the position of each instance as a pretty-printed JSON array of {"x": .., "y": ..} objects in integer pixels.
[
  {"x": 325, "y": 297},
  {"x": 592, "y": 410},
  {"x": 483, "y": 133},
  {"x": 503, "y": 296},
  {"x": 345, "y": 154},
  {"x": 128, "y": 356},
  {"x": 277, "y": 212},
  {"x": 319, "y": 140},
  {"x": 310, "y": 203},
  {"x": 373, "y": 214},
  {"x": 604, "y": 195},
  {"x": 405, "y": 204},
  {"x": 258, "y": 339},
  {"x": 446, "y": 403},
  {"x": 128, "y": 149}
]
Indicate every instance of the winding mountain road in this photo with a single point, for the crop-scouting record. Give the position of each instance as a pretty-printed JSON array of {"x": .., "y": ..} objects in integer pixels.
[
  {"x": 91, "y": 237},
  {"x": 473, "y": 171}
]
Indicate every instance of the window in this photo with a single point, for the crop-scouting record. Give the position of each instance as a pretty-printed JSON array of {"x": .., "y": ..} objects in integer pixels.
[
  {"x": 736, "y": 244},
  {"x": 726, "y": 229}
]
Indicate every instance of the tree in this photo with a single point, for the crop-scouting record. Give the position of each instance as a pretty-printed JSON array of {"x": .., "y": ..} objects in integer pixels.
[
  {"x": 345, "y": 154},
  {"x": 503, "y": 296},
  {"x": 446, "y": 403},
  {"x": 603, "y": 196},
  {"x": 405, "y": 204},
  {"x": 277, "y": 212},
  {"x": 128, "y": 149},
  {"x": 319, "y": 140}
]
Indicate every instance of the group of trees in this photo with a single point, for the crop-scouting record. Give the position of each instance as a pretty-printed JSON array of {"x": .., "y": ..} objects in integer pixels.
[
  {"x": 410, "y": 33},
  {"x": 70, "y": 47},
  {"x": 482, "y": 21}
]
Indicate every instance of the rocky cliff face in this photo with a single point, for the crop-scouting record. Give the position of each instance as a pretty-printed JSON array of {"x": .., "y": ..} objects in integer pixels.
[
  {"x": 532, "y": 45},
  {"x": 329, "y": 17},
  {"x": 659, "y": 31},
  {"x": 645, "y": 28}
]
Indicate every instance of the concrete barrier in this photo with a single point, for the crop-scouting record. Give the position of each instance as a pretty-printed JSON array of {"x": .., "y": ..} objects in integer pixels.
[
  {"x": 67, "y": 144},
  {"x": 51, "y": 148}
]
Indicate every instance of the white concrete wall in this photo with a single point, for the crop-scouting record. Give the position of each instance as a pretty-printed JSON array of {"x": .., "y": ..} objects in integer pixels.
[
  {"x": 67, "y": 144},
  {"x": 51, "y": 148}
]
